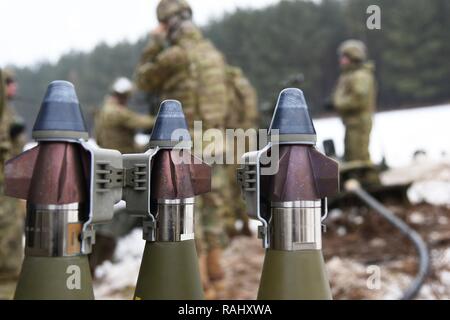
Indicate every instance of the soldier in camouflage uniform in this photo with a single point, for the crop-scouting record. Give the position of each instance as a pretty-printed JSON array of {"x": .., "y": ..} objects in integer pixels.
[
  {"x": 242, "y": 114},
  {"x": 115, "y": 128},
  {"x": 115, "y": 124},
  {"x": 5, "y": 143},
  {"x": 11, "y": 215},
  {"x": 355, "y": 101},
  {"x": 17, "y": 130},
  {"x": 181, "y": 64}
]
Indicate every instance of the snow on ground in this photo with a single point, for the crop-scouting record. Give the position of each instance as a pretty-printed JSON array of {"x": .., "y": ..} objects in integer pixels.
[
  {"x": 398, "y": 134},
  {"x": 123, "y": 272},
  {"x": 419, "y": 169},
  {"x": 432, "y": 192},
  {"x": 349, "y": 278},
  {"x": 429, "y": 179}
]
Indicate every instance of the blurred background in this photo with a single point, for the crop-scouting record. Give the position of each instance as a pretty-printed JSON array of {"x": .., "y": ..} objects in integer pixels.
[{"x": 91, "y": 43}]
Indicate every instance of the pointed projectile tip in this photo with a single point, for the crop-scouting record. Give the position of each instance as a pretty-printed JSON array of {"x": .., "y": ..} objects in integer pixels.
[
  {"x": 292, "y": 120},
  {"x": 170, "y": 128},
  {"x": 60, "y": 116}
]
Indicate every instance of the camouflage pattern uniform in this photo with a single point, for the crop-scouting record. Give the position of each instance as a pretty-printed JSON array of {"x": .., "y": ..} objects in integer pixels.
[
  {"x": 5, "y": 143},
  {"x": 187, "y": 67},
  {"x": 116, "y": 126},
  {"x": 18, "y": 140},
  {"x": 242, "y": 114},
  {"x": 11, "y": 220},
  {"x": 192, "y": 71},
  {"x": 355, "y": 99}
]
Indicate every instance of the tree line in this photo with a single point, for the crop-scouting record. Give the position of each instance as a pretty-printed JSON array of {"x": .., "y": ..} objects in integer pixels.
[{"x": 411, "y": 53}]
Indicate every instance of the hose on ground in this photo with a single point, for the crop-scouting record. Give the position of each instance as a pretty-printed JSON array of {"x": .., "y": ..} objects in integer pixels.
[{"x": 411, "y": 292}]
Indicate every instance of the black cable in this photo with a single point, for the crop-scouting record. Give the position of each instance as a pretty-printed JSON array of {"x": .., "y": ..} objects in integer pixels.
[{"x": 420, "y": 246}]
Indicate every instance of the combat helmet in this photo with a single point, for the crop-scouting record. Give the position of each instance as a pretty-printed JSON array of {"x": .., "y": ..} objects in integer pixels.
[
  {"x": 356, "y": 50},
  {"x": 168, "y": 8}
]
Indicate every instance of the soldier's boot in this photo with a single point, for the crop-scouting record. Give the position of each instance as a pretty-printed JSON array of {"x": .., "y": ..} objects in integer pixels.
[
  {"x": 102, "y": 251},
  {"x": 215, "y": 270},
  {"x": 208, "y": 289}
]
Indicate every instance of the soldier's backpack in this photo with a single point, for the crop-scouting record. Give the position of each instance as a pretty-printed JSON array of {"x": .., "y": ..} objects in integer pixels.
[{"x": 242, "y": 100}]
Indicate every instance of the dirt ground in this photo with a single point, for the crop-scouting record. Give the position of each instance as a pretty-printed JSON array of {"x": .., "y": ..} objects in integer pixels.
[{"x": 355, "y": 240}]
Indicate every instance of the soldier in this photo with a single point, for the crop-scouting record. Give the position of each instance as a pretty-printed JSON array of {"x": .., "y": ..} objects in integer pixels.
[
  {"x": 17, "y": 131},
  {"x": 355, "y": 99},
  {"x": 115, "y": 128},
  {"x": 242, "y": 114},
  {"x": 11, "y": 215},
  {"x": 5, "y": 143},
  {"x": 179, "y": 63},
  {"x": 116, "y": 125}
]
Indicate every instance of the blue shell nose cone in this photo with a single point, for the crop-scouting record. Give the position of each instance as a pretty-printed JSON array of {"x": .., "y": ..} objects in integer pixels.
[
  {"x": 291, "y": 118},
  {"x": 60, "y": 116},
  {"x": 170, "y": 128}
]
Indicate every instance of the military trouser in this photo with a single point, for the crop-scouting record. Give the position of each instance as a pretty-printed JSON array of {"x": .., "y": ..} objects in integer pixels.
[
  {"x": 210, "y": 212},
  {"x": 357, "y": 138},
  {"x": 235, "y": 208},
  {"x": 11, "y": 248}
]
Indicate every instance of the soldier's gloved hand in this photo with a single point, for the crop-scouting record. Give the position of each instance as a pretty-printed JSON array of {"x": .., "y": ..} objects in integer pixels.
[{"x": 159, "y": 35}]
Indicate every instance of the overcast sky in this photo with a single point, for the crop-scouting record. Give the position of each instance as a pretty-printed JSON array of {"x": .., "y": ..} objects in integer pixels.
[{"x": 39, "y": 30}]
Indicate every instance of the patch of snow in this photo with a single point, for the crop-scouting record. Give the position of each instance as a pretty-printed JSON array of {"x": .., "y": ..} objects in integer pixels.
[
  {"x": 142, "y": 139},
  {"x": 396, "y": 134},
  {"x": 378, "y": 242},
  {"x": 443, "y": 258},
  {"x": 123, "y": 271},
  {"x": 130, "y": 246},
  {"x": 432, "y": 192},
  {"x": 357, "y": 219},
  {"x": 341, "y": 231},
  {"x": 335, "y": 214},
  {"x": 443, "y": 220},
  {"x": 445, "y": 277},
  {"x": 418, "y": 170},
  {"x": 416, "y": 218}
]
